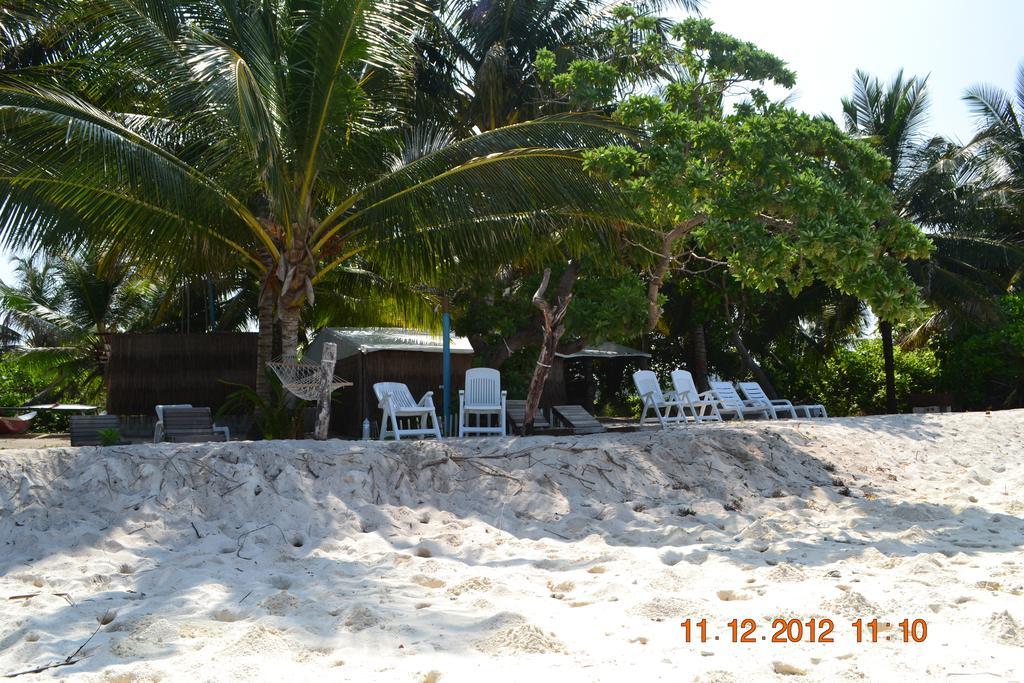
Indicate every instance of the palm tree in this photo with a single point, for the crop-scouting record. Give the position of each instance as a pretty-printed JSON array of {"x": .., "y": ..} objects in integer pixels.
[
  {"x": 939, "y": 188},
  {"x": 475, "y": 58},
  {"x": 64, "y": 307},
  {"x": 894, "y": 115},
  {"x": 999, "y": 142},
  {"x": 269, "y": 131}
]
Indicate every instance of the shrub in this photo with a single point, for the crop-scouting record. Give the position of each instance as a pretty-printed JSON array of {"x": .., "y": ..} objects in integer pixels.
[
  {"x": 280, "y": 417},
  {"x": 852, "y": 381},
  {"x": 21, "y": 382},
  {"x": 110, "y": 436},
  {"x": 984, "y": 368}
]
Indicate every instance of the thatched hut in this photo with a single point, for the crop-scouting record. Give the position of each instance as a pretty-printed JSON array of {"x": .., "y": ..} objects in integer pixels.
[
  {"x": 386, "y": 354},
  {"x": 573, "y": 374}
]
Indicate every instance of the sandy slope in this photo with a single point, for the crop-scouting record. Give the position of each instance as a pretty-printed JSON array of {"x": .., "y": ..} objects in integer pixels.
[{"x": 501, "y": 559}]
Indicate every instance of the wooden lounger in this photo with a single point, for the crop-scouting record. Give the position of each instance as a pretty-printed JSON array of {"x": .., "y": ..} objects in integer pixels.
[
  {"x": 85, "y": 429},
  {"x": 576, "y": 419},
  {"x": 516, "y": 412},
  {"x": 191, "y": 425}
]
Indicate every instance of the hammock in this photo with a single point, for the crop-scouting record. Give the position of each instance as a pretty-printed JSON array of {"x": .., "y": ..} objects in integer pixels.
[{"x": 303, "y": 379}]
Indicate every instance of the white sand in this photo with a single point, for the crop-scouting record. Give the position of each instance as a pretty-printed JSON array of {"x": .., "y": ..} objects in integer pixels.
[{"x": 559, "y": 559}]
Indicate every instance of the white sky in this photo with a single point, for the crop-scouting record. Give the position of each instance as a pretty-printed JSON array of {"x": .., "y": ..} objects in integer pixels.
[{"x": 958, "y": 42}]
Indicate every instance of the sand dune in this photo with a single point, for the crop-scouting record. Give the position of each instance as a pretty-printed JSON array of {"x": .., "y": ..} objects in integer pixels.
[{"x": 509, "y": 558}]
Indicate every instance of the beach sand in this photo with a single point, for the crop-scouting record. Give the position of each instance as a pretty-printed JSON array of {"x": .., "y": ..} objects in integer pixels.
[
  {"x": 33, "y": 441},
  {"x": 569, "y": 559}
]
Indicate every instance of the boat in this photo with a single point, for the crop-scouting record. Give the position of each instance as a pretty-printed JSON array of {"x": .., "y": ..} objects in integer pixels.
[{"x": 16, "y": 424}]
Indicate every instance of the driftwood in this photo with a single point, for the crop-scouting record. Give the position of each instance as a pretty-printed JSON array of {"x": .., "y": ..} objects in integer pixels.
[
  {"x": 29, "y": 596},
  {"x": 72, "y": 658}
]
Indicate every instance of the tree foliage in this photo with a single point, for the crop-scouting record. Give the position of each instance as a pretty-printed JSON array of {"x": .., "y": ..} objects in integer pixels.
[
  {"x": 780, "y": 197},
  {"x": 983, "y": 365},
  {"x": 64, "y": 307}
]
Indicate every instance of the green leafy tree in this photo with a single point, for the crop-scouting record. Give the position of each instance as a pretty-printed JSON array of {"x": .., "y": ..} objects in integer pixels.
[
  {"x": 850, "y": 381},
  {"x": 498, "y": 315},
  {"x": 475, "y": 67},
  {"x": 983, "y": 365},
  {"x": 775, "y": 196}
]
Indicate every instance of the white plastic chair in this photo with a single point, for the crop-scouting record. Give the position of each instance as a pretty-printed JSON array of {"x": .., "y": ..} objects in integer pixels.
[
  {"x": 482, "y": 397},
  {"x": 702, "y": 405},
  {"x": 654, "y": 399},
  {"x": 397, "y": 403},
  {"x": 730, "y": 403},
  {"x": 753, "y": 392}
]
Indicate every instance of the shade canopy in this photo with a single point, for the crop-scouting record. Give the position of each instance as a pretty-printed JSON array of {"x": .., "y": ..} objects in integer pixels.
[
  {"x": 67, "y": 407},
  {"x": 73, "y": 407},
  {"x": 606, "y": 350},
  {"x": 353, "y": 340}
]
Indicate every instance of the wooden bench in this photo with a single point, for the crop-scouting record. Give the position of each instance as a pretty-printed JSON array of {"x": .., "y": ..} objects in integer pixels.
[
  {"x": 575, "y": 418},
  {"x": 85, "y": 429},
  {"x": 190, "y": 425},
  {"x": 516, "y": 412}
]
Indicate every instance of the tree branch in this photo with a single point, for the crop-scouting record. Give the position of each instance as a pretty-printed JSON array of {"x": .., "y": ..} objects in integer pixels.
[{"x": 665, "y": 259}]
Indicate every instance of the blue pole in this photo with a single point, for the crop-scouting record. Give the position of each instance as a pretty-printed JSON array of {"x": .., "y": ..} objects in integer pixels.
[{"x": 446, "y": 368}]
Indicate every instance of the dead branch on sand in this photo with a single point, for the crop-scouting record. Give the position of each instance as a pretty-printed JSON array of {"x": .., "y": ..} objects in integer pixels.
[{"x": 70, "y": 660}]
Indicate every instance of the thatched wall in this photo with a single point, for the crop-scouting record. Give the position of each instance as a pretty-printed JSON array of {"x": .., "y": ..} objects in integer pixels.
[
  {"x": 149, "y": 369},
  {"x": 420, "y": 370}
]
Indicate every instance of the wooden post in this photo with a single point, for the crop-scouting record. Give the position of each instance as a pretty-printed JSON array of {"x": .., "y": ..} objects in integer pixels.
[{"x": 323, "y": 403}]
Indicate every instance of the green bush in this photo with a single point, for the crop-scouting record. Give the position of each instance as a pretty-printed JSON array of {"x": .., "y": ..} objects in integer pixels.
[
  {"x": 21, "y": 382},
  {"x": 110, "y": 436},
  {"x": 279, "y": 417},
  {"x": 984, "y": 368},
  {"x": 852, "y": 381}
]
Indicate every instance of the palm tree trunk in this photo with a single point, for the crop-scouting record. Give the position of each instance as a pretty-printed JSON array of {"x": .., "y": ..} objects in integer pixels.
[
  {"x": 295, "y": 290},
  {"x": 890, "y": 366},
  {"x": 290, "y": 333},
  {"x": 265, "y": 343},
  {"x": 699, "y": 357}
]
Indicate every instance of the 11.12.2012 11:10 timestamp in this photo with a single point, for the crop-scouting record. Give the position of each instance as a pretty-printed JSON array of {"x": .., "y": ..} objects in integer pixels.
[{"x": 808, "y": 631}]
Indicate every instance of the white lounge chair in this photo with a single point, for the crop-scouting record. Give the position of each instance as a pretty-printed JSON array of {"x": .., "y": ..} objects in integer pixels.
[
  {"x": 811, "y": 410},
  {"x": 753, "y": 392},
  {"x": 397, "y": 403},
  {"x": 650, "y": 393},
  {"x": 483, "y": 398},
  {"x": 730, "y": 403},
  {"x": 702, "y": 405}
]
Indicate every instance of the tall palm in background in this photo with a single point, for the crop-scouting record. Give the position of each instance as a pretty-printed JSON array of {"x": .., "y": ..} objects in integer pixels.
[
  {"x": 265, "y": 135},
  {"x": 63, "y": 308},
  {"x": 894, "y": 115},
  {"x": 999, "y": 144},
  {"x": 941, "y": 192}
]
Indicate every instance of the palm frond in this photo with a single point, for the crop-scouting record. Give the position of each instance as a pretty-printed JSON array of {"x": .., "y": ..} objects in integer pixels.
[{"x": 70, "y": 166}]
